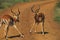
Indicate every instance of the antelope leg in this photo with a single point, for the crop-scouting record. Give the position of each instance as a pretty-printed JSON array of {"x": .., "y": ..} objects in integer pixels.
[
  {"x": 32, "y": 27},
  {"x": 6, "y": 30},
  {"x": 0, "y": 24},
  {"x": 36, "y": 27},
  {"x": 42, "y": 27},
  {"x": 18, "y": 30}
]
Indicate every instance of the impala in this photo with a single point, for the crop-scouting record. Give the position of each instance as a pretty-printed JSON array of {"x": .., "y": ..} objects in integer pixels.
[
  {"x": 39, "y": 18},
  {"x": 9, "y": 20}
]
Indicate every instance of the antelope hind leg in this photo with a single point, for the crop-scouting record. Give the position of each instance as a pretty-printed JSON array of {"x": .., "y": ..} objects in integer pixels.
[{"x": 6, "y": 31}]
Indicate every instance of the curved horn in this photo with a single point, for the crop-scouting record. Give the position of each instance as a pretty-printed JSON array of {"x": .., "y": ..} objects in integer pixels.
[
  {"x": 18, "y": 11},
  {"x": 37, "y": 10},
  {"x": 12, "y": 11},
  {"x": 32, "y": 8}
]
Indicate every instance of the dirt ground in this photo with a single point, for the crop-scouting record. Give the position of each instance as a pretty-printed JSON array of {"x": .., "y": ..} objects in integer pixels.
[{"x": 26, "y": 21}]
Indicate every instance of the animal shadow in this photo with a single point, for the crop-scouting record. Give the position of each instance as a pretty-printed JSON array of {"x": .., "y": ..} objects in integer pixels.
[
  {"x": 15, "y": 36},
  {"x": 42, "y": 32}
]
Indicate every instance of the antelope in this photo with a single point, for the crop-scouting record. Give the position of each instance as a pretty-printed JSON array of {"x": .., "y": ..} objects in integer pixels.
[
  {"x": 9, "y": 20},
  {"x": 39, "y": 18}
]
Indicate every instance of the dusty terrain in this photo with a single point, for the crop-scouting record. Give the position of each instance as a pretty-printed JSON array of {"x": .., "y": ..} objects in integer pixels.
[{"x": 26, "y": 21}]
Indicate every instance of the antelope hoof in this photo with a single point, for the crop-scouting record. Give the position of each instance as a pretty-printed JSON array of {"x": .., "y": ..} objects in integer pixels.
[
  {"x": 22, "y": 36},
  {"x": 30, "y": 31},
  {"x": 6, "y": 38},
  {"x": 35, "y": 31},
  {"x": 43, "y": 33}
]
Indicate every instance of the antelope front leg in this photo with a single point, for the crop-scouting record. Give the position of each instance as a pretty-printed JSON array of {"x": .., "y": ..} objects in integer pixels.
[
  {"x": 32, "y": 27},
  {"x": 6, "y": 31},
  {"x": 36, "y": 27},
  {"x": 18, "y": 30},
  {"x": 0, "y": 25},
  {"x": 42, "y": 24}
]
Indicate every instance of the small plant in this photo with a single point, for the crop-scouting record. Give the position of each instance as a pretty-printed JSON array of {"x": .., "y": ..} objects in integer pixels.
[
  {"x": 58, "y": 4},
  {"x": 57, "y": 19},
  {"x": 57, "y": 12},
  {"x": 8, "y": 3}
]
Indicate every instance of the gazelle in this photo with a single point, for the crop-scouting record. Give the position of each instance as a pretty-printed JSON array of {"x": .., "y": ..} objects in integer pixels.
[
  {"x": 10, "y": 21},
  {"x": 38, "y": 17}
]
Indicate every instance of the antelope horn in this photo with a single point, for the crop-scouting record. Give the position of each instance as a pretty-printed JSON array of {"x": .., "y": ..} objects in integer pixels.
[
  {"x": 18, "y": 11},
  {"x": 12, "y": 11},
  {"x": 32, "y": 8},
  {"x": 37, "y": 10}
]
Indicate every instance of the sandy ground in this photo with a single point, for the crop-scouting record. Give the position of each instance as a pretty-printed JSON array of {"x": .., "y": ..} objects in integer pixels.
[{"x": 26, "y": 21}]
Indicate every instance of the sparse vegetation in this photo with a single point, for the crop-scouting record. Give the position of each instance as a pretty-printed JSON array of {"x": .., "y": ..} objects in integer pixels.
[
  {"x": 8, "y": 3},
  {"x": 57, "y": 12}
]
